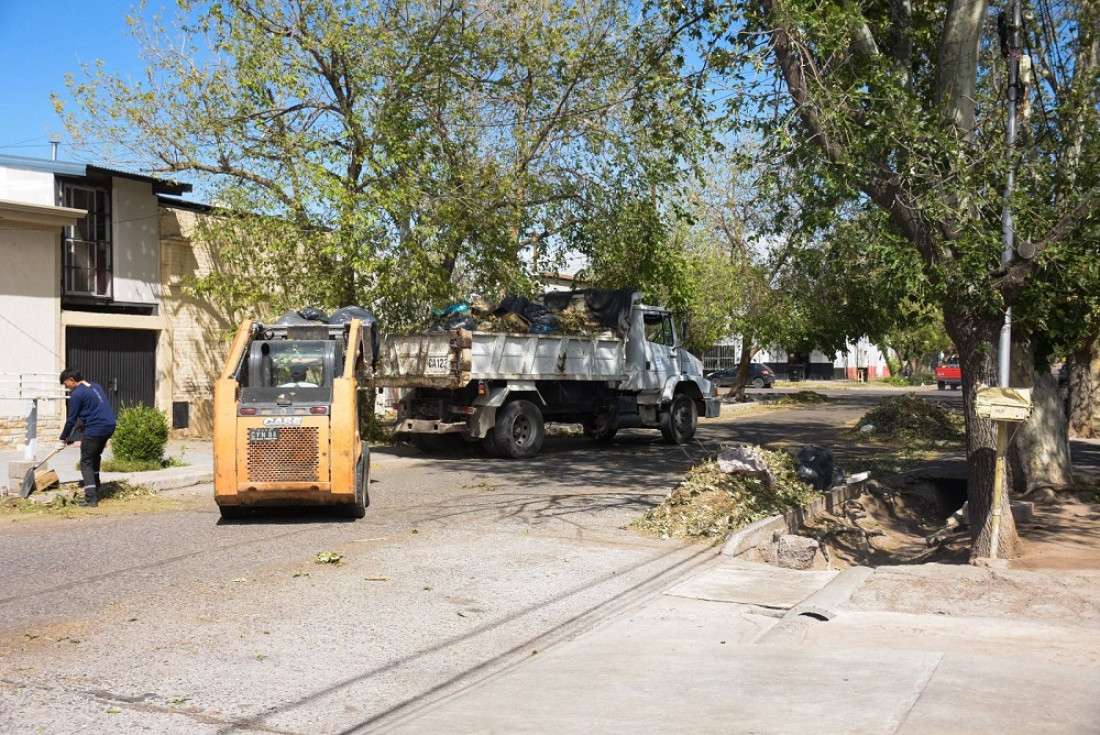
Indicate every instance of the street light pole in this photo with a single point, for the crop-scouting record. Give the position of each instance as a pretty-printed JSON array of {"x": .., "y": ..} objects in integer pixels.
[{"x": 1008, "y": 234}]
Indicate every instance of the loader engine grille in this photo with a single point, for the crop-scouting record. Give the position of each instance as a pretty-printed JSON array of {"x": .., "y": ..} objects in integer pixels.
[{"x": 291, "y": 458}]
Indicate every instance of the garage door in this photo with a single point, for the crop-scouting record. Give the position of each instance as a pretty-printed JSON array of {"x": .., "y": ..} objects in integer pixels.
[{"x": 123, "y": 361}]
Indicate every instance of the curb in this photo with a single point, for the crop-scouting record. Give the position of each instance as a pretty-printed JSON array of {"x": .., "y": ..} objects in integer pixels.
[
  {"x": 763, "y": 531},
  {"x": 821, "y": 606}
]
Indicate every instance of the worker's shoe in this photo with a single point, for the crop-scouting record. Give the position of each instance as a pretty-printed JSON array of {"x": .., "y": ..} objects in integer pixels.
[{"x": 91, "y": 498}]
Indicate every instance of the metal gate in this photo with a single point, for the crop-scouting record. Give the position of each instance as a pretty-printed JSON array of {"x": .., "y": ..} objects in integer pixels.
[{"x": 123, "y": 361}]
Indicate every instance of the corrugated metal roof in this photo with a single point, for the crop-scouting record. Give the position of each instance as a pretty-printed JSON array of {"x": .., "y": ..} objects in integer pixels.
[{"x": 69, "y": 168}]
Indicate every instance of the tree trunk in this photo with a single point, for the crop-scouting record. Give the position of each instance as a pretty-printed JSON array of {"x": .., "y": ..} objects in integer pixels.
[
  {"x": 1039, "y": 452},
  {"x": 976, "y": 337},
  {"x": 747, "y": 351},
  {"x": 1083, "y": 366}
]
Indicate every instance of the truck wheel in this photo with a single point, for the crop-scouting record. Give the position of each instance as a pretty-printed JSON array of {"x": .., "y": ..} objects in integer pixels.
[
  {"x": 678, "y": 422},
  {"x": 434, "y": 443},
  {"x": 358, "y": 508},
  {"x": 598, "y": 429},
  {"x": 941, "y": 385},
  {"x": 489, "y": 444},
  {"x": 519, "y": 430}
]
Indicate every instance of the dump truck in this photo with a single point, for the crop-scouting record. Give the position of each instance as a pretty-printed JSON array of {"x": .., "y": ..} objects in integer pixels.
[
  {"x": 501, "y": 388},
  {"x": 286, "y": 417}
]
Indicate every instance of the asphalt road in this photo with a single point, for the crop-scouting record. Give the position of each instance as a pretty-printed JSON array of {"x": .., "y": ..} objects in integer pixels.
[{"x": 176, "y": 621}]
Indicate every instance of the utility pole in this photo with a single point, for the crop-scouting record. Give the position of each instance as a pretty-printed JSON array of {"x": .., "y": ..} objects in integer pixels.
[{"x": 1010, "y": 46}]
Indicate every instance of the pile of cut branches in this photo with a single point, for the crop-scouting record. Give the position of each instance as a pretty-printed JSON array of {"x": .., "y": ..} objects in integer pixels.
[
  {"x": 709, "y": 503},
  {"x": 911, "y": 419}
]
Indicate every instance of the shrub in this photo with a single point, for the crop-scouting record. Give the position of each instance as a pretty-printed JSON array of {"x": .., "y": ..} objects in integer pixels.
[{"x": 141, "y": 435}]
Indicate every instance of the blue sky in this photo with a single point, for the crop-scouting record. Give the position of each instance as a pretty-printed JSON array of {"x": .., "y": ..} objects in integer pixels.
[{"x": 42, "y": 41}]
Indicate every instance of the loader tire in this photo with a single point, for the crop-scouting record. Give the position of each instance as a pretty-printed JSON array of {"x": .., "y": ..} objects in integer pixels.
[{"x": 358, "y": 508}]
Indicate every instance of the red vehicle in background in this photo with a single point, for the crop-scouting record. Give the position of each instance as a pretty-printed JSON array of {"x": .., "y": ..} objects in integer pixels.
[{"x": 949, "y": 374}]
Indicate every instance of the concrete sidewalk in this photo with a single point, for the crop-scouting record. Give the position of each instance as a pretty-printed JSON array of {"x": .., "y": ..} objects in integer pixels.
[
  {"x": 722, "y": 652},
  {"x": 195, "y": 455}
]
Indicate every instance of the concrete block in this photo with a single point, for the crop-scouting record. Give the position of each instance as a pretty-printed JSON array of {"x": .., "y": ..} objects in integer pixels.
[{"x": 795, "y": 552}]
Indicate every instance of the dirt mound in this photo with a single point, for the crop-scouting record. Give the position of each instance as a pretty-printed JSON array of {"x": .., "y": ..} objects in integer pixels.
[{"x": 882, "y": 526}]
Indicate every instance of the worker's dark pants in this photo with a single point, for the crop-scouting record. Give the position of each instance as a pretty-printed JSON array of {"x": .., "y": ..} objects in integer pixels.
[{"x": 91, "y": 452}]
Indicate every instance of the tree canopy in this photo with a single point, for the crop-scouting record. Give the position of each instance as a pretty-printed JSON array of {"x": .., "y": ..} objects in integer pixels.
[{"x": 405, "y": 153}]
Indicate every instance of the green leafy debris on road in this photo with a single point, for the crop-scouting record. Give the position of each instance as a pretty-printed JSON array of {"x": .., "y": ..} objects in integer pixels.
[
  {"x": 912, "y": 419},
  {"x": 709, "y": 503},
  {"x": 802, "y": 397},
  {"x": 328, "y": 557}
]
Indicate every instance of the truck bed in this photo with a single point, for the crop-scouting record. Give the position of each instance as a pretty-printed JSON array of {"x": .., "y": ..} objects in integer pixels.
[{"x": 450, "y": 360}]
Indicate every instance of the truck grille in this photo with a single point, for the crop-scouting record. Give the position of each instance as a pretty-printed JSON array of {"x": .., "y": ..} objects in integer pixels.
[{"x": 291, "y": 458}]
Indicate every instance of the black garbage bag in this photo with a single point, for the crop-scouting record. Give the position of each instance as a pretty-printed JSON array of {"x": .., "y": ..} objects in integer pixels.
[
  {"x": 313, "y": 314},
  {"x": 545, "y": 323},
  {"x": 815, "y": 465},
  {"x": 611, "y": 307},
  {"x": 512, "y": 305},
  {"x": 290, "y": 318},
  {"x": 454, "y": 321},
  {"x": 345, "y": 314}
]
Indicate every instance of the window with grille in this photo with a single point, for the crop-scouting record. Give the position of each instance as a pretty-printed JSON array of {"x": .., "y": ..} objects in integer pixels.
[{"x": 86, "y": 261}]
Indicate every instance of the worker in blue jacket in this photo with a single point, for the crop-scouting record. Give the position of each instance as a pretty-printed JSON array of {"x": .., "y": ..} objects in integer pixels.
[{"x": 88, "y": 403}]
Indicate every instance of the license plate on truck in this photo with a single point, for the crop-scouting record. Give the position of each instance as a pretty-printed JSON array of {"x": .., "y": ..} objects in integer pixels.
[
  {"x": 263, "y": 435},
  {"x": 438, "y": 365}
]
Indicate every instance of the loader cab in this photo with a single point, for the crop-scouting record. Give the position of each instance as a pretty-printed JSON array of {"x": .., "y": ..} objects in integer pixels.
[{"x": 289, "y": 368}]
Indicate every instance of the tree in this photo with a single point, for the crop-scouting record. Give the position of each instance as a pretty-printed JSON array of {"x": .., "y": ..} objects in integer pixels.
[
  {"x": 897, "y": 106},
  {"x": 402, "y": 153}
]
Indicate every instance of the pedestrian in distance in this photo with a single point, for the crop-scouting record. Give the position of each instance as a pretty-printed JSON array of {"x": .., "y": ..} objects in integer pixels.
[{"x": 88, "y": 403}]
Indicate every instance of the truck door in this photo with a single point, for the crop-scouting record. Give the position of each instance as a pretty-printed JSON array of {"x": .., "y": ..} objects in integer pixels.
[{"x": 662, "y": 356}]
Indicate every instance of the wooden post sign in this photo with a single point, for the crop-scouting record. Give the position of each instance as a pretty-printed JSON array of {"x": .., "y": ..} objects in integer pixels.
[{"x": 1003, "y": 404}]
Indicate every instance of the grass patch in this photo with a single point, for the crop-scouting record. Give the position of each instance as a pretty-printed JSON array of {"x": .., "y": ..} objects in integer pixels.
[
  {"x": 114, "y": 464},
  {"x": 64, "y": 501},
  {"x": 913, "y": 420},
  {"x": 709, "y": 503}
]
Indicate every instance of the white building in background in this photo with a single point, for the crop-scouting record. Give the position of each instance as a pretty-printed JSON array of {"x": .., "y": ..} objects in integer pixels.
[
  {"x": 862, "y": 360},
  {"x": 80, "y": 286}
]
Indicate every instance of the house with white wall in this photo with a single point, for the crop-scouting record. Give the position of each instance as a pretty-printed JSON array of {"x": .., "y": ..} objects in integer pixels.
[
  {"x": 81, "y": 286},
  {"x": 857, "y": 361}
]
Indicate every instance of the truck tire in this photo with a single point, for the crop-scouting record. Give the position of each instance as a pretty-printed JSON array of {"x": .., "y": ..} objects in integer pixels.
[
  {"x": 679, "y": 421},
  {"x": 435, "y": 443},
  {"x": 941, "y": 385},
  {"x": 599, "y": 430},
  {"x": 519, "y": 430},
  {"x": 489, "y": 444}
]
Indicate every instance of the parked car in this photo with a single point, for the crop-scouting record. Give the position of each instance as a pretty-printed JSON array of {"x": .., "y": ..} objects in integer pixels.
[{"x": 760, "y": 376}]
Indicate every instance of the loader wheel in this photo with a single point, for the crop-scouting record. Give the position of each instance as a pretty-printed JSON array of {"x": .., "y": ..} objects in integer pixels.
[
  {"x": 358, "y": 508},
  {"x": 232, "y": 512},
  {"x": 679, "y": 421},
  {"x": 519, "y": 430}
]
